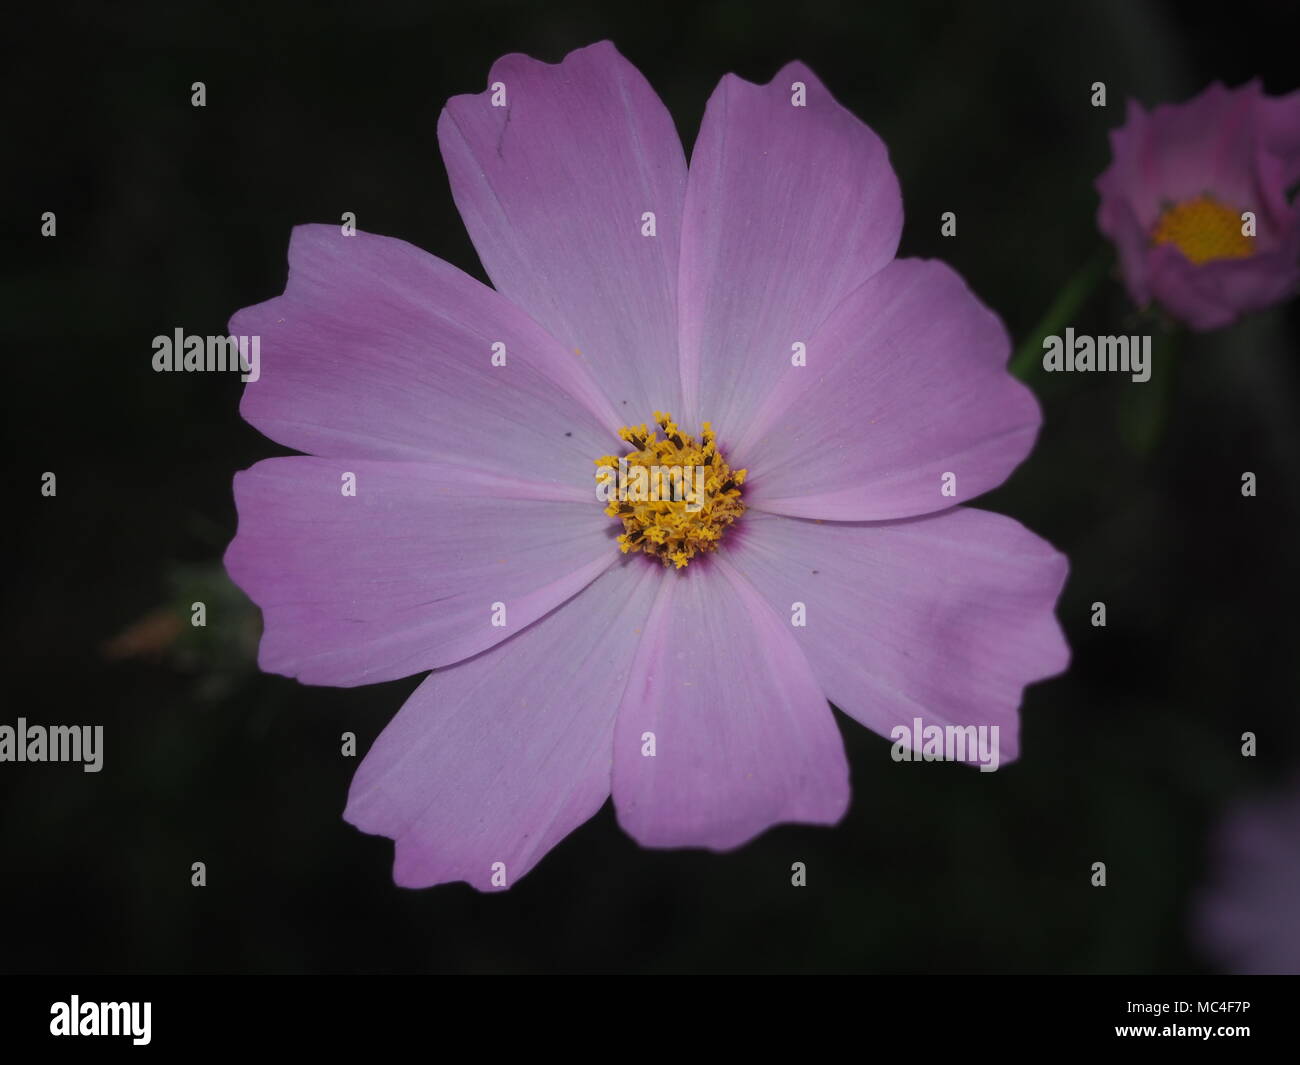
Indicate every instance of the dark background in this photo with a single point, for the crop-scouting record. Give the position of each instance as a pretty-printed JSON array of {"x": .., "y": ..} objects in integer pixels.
[{"x": 172, "y": 216}]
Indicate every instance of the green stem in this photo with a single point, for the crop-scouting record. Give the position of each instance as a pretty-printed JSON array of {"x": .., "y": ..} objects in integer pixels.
[
  {"x": 1067, "y": 304},
  {"x": 1144, "y": 409}
]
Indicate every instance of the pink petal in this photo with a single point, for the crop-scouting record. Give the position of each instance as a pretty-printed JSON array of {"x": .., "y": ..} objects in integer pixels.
[
  {"x": 1280, "y": 120},
  {"x": 379, "y": 350},
  {"x": 788, "y": 210},
  {"x": 1117, "y": 220},
  {"x": 905, "y": 382},
  {"x": 403, "y": 577},
  {"x": 1215, "y": 294},
  {"x": 1180, "y": 151},
  {"x": 743, "y": 736},
  {"x": 945, "y": 617},
  {"x": 498, "y": 758},
  {"x": 553, "y": 187},
  {"x": 1245, "y": 916}
]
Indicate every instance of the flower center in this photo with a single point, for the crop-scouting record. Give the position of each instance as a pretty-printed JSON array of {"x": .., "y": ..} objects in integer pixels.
[
  {"x": 1204, "y": 230},
  {"x": 674, "y": 495}
]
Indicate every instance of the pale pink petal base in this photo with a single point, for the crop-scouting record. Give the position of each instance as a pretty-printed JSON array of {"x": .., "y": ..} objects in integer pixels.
[
  {"x": 378, "y": 350},
  {"x": 495, "y": 760},
  {"x": 742, "y": 736},
  {"x": 555, "y": 187},
  {"x": 404, "y": 575},
  {"x": 791, "y": 204},
  {"x": 946, "y": 617},
  {"x": 904, "y": 406}
]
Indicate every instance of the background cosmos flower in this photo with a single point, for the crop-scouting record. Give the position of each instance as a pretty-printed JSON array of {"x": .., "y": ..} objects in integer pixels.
[
  {"x": 1247, "y": 916},
  {"x": 1172, "y": 201},
  {"x": 475, "y": 482}
]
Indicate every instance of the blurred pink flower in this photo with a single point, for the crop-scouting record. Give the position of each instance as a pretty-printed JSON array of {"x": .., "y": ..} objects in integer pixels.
[
  {"x": 1247, "y": 918},
  {"x": 1173, "y": 199}
]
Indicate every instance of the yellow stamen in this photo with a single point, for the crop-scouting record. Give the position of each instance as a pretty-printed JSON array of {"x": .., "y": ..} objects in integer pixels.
[
  {"x": 675, "y": 496},
  {"x": 1204, "y": 230}
]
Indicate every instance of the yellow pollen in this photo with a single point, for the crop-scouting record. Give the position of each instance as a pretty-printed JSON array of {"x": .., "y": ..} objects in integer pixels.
[
  {"x": 1204, "y": 230},
  {"x": 675, "y": 496}
]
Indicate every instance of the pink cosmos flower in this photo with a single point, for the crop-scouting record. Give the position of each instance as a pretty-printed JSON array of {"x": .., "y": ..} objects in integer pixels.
[
  {"x": 1248, "y": 917},
  {"x": 1176, "y": 196},
  {"x": 830, "y": 391}
]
